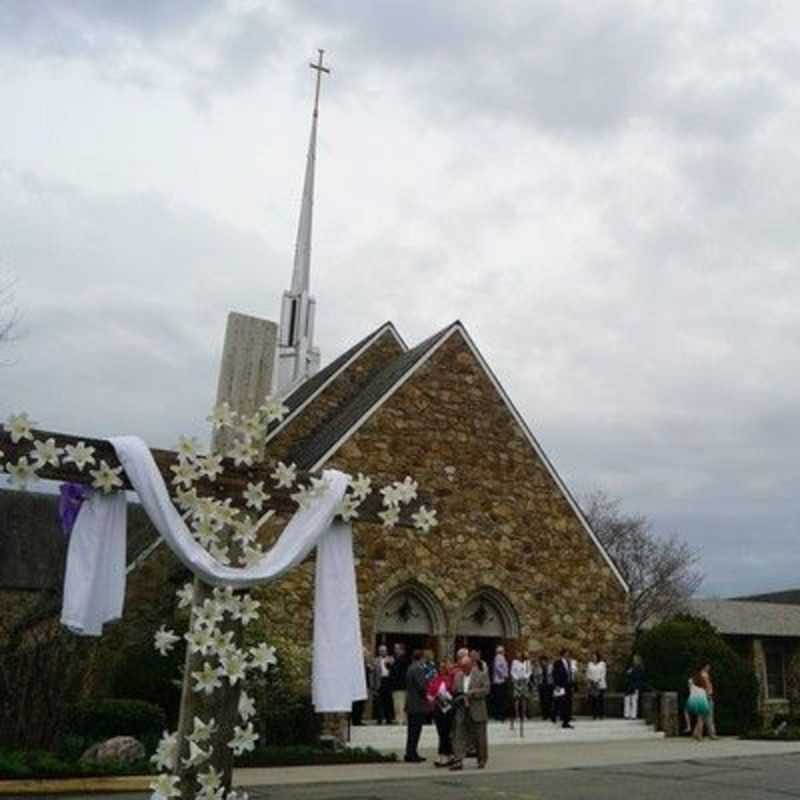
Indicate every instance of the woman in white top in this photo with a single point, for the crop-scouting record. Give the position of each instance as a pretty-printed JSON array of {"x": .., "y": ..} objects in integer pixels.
[
  {"x": 596, "y": 677},
  {"x": 520, "y": 687}
]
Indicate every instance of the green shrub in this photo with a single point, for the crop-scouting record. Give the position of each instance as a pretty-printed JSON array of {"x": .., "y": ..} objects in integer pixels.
[
  {"x": 32, "y": 764},
  {"x": 141, "y": 673},
  {"x": 287, "y": 720},
  {"x": 674, "y": 650},
  {"x": 95, "y": 720}
]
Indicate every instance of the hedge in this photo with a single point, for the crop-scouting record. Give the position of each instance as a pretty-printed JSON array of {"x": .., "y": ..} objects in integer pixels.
[
  {"x": 95, "y": 720},
  {"x": 676, "y": 649}
]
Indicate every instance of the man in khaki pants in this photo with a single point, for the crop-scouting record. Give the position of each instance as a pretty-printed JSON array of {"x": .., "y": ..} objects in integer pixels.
[
  {"x": 397, "y": 680},
  {"x": 470, "y": 691}
]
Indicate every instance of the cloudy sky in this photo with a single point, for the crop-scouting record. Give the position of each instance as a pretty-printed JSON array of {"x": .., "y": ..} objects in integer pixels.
[{"x": 605, "y": 193}]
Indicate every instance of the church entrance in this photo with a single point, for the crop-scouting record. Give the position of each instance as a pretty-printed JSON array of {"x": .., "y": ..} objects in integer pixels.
[
  {"x": 487, "y": 620},
  {"x": 411, "y": 615}
]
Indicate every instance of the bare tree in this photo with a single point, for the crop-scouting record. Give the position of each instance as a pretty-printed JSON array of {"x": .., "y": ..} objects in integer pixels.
[{"x": 663, "y": 572}]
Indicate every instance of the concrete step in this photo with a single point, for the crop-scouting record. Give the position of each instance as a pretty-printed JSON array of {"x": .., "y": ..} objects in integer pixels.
[{"x": 392, "y": 737}]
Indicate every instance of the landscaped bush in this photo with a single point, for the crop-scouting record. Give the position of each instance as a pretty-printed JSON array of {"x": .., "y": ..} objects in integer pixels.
[
  {"x": 674, "y": 650},
  {"x": 141, "y": 673},
  {"x": 30, "y": 764},
  {"x": 94, "y": 720}
]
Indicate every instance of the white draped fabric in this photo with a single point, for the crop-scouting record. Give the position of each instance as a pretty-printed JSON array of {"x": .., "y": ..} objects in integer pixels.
[{"x": 94, "y": 586}]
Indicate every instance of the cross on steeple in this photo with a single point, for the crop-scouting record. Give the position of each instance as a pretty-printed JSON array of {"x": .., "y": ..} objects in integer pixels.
[
  {"x": 298, "y": 358},
  {"x": 320, "y": 69}
]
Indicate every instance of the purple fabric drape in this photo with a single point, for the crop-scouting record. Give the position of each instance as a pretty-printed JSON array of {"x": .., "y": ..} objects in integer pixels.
[{"x": 69, "y": 504}]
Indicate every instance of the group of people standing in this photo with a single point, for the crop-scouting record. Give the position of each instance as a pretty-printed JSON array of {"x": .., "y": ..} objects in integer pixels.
[{"x": 556, "y": 683}]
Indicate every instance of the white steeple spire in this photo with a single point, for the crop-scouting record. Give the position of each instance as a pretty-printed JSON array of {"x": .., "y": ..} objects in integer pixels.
[{"x": 298, "y": 358}]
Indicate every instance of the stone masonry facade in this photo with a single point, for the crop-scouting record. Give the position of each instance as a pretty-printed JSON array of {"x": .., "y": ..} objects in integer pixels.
[{"x": 506, "y": 528}]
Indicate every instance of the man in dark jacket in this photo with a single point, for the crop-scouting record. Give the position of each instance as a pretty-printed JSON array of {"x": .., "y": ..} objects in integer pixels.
[
  {"x": 397, "y": 680},
  {"x": 416, "y": 706},
  {"x": 562, "y": 690}
]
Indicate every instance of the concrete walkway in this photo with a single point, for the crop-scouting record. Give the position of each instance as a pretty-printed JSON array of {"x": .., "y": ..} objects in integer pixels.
[{"x": 523, "y": 759}]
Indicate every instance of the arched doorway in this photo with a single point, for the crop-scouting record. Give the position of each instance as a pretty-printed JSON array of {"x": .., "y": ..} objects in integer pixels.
[
  {"x": 487, "y": 620},
  {"x": 411, "y": 614}
]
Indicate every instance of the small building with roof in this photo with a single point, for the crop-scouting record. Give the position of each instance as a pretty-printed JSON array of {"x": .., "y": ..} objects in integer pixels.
[{"x": 766, "y": 632}]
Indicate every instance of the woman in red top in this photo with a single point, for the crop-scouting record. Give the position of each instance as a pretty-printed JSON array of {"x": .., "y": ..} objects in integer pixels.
[{"x": 440, "y": 695}]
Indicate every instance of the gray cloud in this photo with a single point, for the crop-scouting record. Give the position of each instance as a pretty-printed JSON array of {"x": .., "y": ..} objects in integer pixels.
[{"x": 604, "y": 193}]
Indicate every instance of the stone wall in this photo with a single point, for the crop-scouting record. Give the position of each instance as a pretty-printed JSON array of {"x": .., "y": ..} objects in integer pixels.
[{"x": 505, "y": 524}]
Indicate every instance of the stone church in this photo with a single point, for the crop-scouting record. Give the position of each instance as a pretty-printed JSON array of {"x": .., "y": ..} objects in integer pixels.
[{"x": 512, "y": 560}]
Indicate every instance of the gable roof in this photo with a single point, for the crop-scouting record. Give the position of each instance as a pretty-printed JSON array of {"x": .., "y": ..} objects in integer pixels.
[
  {"x": 743, "y": 618},
  {"x": 317, "y": 449},
  {"x": 787, "y": 596},
  {"x": 312, "y": 449},
  {"x": 301, "y": 396}
]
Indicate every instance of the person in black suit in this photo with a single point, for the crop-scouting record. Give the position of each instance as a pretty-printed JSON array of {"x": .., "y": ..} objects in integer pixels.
[
  {"x": 562, "y": 690},
  {"x": 417, "y": 707}
]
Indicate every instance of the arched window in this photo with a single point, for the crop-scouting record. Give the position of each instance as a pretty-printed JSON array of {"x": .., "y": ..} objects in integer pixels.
[
  {"x": 411, "y": 609},
  {"x": 488, "y": 614}
]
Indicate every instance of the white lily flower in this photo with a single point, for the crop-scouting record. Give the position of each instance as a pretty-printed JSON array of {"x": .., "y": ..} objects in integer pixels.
[
  {"x": 199, "y": 640},
  {"x": 185, "y": 474},
  {"x": 209, "y": 782},
  {"x": 424, "y": 519},
  {"x": 284, "y": 476},
  {"x": 244, "y": 739},
  {"x": 219, "y": 552},
  {"x": 187, "y": 447},
  {"x": 22, "y": 472},
  {"x": 19, "y": 426},
  {"x": 407, "y": 490},
  {"x": 242, "y": 452},
  {"x": 234, "y": 666},
  {"x": 303, "y": 497},
  {"x": 207, "y": 679},
  {"x": 166, "y": 751},
  {"x": 209, "y": 614},
  {"x": 255, "y": 496},
  {"x": 202, "y": 731},
  {"x": 390, "y": 517},
  {"x": 221, "y": 643},
  {"x": 164, "y": 787},
  {"x": 273, "y": 410},
  {"x": 360, "y": 486},
  {"x": 251, "y": 427},
  {"x": 211, "y": 466},
  {"x": 348, "y": 507},
  {"x": 165, "y": 640},
  {"x": 185, "y": 595},
  {"x": 247, "y": 706},
  {"x": 106, "y": 478},
  {"x": 248, "y": 609},
  {"x": 80, "y": 455},
  {"x": 196, "y": 755},
  {"x": 391, "y": 495},
  {"x": 47, "y": 453},
  {"x": 252, "y": 555},
  {"x": 187, "y": 499},
  {"x": 205, "y": 532},
  {"x": 222, "y": 416},
  {"x": 263, "y": 657}
]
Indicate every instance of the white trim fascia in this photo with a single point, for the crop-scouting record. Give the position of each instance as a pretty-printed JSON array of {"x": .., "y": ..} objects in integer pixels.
[
  {"x": 458, "y": 326},
  {"x": 284, "y": 422}
]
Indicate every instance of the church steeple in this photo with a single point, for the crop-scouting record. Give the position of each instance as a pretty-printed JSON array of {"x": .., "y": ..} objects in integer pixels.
[{"x": 298, "y": 358}]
